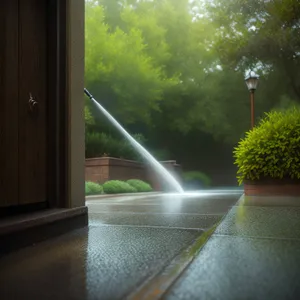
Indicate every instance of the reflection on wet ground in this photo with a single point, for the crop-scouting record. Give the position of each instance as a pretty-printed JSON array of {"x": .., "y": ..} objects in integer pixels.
[
  {"x": 253, "y": 254},
  {"x": 129, "y": 239}
]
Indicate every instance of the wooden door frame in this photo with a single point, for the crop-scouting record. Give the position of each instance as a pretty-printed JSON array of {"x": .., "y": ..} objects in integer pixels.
[{"x": 57, "y": 94}]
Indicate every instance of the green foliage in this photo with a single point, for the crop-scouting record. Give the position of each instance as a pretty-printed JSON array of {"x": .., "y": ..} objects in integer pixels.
[
  {"x": 149, "y": 68},
  {"x": 161, "y": 154},
  {"x": 140, "y": 138},
  {"x": 118, "y": 187},
  {"x": 177, "y": 66},
  {"x": 286, "y": 103},
  {"x": 265, "y": 33},
  {"x": 100, "y": 144},
  {"x": 272, "y": 149},
  {"x": 87, "y": 189},
  {"x": 92, "y": 188},
  {"x": 192, "y": 176},
  {"x": 118, "y": 59},
  {"x": 140, "y": 185},
  {"x": 89, "y": 120}
]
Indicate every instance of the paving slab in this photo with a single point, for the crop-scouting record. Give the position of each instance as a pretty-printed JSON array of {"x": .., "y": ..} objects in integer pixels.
[
  {"x": 194, "y": 221},
  {"x": 253, "y": 254},
  {"x": 202, "y": 204},
  {"x": 237, "y": 268},
  {"x": 274, "y": 201},
  {"x": 96, "y": 263},
  {"x": 276, "y": 222},
  {"x": 106, "y": 196}
]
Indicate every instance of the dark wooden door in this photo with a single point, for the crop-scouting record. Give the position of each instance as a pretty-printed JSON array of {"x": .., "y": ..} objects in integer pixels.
[
  {"x": 23, "y": 127},
  {"x": 9, "y": 122},
  {"x": 32, "y": 86}
]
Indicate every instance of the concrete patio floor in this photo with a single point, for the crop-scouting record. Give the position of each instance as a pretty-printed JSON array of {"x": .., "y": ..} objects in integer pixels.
[
  {"x": 132, "y": 243},
  {"x": 253, "y": 254},
  {"x": 129, "y": 240}
]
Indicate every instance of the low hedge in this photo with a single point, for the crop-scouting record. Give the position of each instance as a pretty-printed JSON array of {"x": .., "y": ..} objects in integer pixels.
[
  {"x": 92, "y": 188},
  {"x": 117, "y": 187},
  {"x": 129, "y": 186},
  {"x": 139, "y": 185}
]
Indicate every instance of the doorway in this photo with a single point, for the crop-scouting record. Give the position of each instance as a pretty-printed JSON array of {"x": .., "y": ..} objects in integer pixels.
[{"x": 33, "y": 120}]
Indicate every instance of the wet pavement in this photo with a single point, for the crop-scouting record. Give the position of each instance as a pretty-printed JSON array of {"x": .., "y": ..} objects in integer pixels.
[
  {"x": 129, "y": 240},
  {"x": 253, "y": 254}
]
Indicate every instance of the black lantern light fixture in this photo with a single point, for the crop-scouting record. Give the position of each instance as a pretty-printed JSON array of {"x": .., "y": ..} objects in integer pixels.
[{"x": 251, "y": 80}]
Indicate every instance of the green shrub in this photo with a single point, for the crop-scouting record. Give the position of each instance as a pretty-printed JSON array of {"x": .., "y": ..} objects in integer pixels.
[
  {"x": 161, "y": 154},
  {"x": 272, "y": 149},
  {"x": 89, "y": 120},
  {"x": 139, "y": 138},
  {"x": 92, "y": 188},
  {"x": 98, "y": 144},
  {"x": 196, "y": 176},
  {"x": 87, "y": 189},
  {"x": 118, "y": 187},
  {"x": 140, "y": 185}
]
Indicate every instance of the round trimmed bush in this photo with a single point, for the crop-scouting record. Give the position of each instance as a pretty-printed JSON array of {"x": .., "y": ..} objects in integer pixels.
[
  {"x": 87, "y": 189},
  {"x": 92, "y": 188},
  {"x": 117, "y": 187},
  {"x": 272, "y": 149},
  {"x": 139, "y": 185}
]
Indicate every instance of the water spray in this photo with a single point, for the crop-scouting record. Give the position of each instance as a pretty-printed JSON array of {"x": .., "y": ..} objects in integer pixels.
[{"x": 159, "y": 168}]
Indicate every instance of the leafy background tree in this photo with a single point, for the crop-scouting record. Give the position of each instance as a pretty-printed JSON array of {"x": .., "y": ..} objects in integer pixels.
[{"x": 172, "y": 70}]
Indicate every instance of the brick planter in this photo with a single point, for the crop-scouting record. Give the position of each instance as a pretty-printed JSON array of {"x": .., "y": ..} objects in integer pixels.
[
  {"x": 102, "y": 169},
  {"x": 272, "y": 187}
]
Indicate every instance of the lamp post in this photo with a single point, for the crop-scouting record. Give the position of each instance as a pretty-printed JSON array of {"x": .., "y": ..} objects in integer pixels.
[{"x": 252, "y": 82}]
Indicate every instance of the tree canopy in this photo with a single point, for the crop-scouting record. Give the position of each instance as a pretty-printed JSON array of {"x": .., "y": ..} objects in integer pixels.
[
  {"x": 263, "y": 34},
  {"x": 177, "y": 66}
]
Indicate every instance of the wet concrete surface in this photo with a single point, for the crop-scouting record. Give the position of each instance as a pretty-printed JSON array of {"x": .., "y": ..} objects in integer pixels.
[
  {"x": 242, "y": 268},
  {"x": 101, "y": 263},
  {"x": 184, "y": 221},
  {"x": 275, "y": 222},
  {"x": 253, "y": 254},
  {"x": 206, "y": 203},
  {"x": 127, "y": 242}
]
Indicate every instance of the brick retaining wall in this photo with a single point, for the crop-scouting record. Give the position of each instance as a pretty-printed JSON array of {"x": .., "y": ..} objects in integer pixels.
[{"x": 108, "y": 168}]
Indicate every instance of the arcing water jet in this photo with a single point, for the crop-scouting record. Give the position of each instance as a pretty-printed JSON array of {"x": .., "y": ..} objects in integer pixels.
[{"x": 160, "y": 169}]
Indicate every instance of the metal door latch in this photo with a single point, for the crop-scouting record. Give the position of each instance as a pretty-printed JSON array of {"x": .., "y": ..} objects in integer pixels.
[{"x": 32, "y": 103}]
